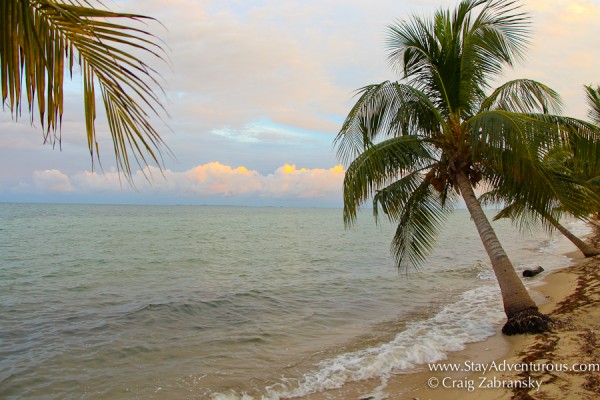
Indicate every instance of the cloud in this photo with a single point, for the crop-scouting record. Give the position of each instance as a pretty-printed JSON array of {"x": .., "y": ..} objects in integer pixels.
[
  {"x": 51, "y": 180},
  {"x": 210, "y": 180},
  {"x": 216, "y": 179},
  {"x": 231, "y": 65},
  {"x": 291, "y": 182},
  {"x": 268, "y": 132},
  {"x": 563, "y": 54}
]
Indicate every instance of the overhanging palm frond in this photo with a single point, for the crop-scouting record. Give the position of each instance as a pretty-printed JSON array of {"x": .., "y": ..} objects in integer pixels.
[
  {"x": 37, "y": 37},
  {"x": 504, "y": 138},
  {"x": 525, "y": 217},
  {"x": 379, "y": 165},
  {"x": 414, "y": 205}
]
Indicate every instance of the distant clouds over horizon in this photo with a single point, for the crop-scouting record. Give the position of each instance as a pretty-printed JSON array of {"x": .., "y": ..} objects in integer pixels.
[{"x": 211, "y": 181}]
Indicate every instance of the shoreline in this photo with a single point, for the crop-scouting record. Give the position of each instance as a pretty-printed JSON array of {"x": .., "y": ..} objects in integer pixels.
[{"x": 570, "y": 295}]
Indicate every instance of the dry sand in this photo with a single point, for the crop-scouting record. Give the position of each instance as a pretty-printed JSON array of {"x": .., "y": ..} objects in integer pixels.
[{"x": 547, "y": 363}]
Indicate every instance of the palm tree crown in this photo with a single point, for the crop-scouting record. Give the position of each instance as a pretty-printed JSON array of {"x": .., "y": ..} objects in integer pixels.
[
  {"x": 40, "y": 39},
  {"x": 415, "y": 146}
]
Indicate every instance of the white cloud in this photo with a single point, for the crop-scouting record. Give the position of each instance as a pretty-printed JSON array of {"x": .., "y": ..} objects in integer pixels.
[
  {"x": 203, "y": 181},
  {"x": 290, "y": 182},
  {"x": 563, "y": 52},
  {"x": 51, "y": 180},
  {"x": 258, "y": 132}
]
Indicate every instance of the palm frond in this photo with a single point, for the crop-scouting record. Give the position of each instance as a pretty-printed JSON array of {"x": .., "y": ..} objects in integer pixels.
[
  {"x": 524, "y": 218},
  {"x": 593, "y": 99},
  {"x": 415, "y": 206},
  {"x": 515, "y": 157},
  {"x": 451, "y": 56},
  {"x": 43, "y": 39},
  {"x": 523, "y": 96},
  {"x": 379, "y": 165},
  {"x": 385, "y": 110}
]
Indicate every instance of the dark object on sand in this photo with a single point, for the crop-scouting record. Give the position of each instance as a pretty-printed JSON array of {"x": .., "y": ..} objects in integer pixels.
[{"x": 528, "y": 273}]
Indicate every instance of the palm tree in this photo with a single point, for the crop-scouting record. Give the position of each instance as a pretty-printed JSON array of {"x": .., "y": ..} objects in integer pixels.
[
  {"x": 416, "y": 146},
  {"x": 40, "y": 39}
]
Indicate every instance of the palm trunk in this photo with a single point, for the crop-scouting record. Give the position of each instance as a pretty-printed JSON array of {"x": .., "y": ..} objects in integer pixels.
[
  {"x": 521, "y": 311},
  {"x": 585, "y": 248}
]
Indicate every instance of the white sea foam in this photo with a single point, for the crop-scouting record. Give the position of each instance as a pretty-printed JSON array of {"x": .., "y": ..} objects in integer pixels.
[{"x": 472, "y": 318}]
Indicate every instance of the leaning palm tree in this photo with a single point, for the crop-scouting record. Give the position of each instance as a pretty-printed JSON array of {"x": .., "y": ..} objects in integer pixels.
[
  {"x": 416, "y": 145},
  {"x": 40, "y": 40}
]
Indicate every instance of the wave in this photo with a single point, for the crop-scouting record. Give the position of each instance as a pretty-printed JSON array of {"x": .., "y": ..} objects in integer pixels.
[{"x": 473, "y": 318}]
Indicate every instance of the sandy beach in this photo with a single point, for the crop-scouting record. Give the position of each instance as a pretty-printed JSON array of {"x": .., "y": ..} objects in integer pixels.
[{"x": 563, "y": 364}]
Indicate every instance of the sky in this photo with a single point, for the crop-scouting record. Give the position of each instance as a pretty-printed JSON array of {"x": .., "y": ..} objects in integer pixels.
[{"x": 256, "y": 91}]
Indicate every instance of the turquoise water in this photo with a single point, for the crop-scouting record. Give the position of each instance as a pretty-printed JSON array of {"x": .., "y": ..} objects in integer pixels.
[{"x": 193, "y": 302}]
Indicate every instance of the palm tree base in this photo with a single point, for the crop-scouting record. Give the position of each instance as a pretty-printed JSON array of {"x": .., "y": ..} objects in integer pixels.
[
  {"x": 529, "y": 320},
  {"x": 591, "y": 253}
]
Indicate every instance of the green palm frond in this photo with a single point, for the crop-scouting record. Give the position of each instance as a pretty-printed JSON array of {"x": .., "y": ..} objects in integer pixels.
[
  {"x": 522, "y": 217},
  {"x": 593, "y": 99},
  {"x": 557, "y": 193},
  {"x": 392, "y": 198},
  {"x": 415, "y": 206},
  {"x": 386, "y": 110},
  {"x": 581, "y": 142},
  {"x": 518, "y": 154},
  {"x": 510, "y": 140},
  {"x": 379, "y": 165},
  {"x": 452, "y": 56},
  {"x": 523, "y": 96},
  {"x": 43, "y": 39}
]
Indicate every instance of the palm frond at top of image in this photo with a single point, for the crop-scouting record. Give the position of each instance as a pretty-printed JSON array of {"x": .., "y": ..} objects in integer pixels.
[{"x": 43, "y": 39}]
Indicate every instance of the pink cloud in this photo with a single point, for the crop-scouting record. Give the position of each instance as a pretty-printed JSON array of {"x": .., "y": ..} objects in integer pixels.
[
  {"x": 52, "y": 180},
  {"x": 212, "y": 179}
]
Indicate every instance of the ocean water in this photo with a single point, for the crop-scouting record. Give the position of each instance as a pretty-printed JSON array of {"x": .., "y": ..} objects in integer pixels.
[{"x": 199, "y": 302}]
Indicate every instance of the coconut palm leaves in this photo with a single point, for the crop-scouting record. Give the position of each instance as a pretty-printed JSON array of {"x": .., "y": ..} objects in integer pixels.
[
  {"x": 419, "y": 145},
  {"x": 42, "y": 39},
  {"x": 593, "y": 98},
  {"x": 577, "y": 161}
]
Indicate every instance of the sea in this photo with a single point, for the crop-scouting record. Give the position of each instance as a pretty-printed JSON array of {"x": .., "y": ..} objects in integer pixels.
[{"x": 224, "y": 302}]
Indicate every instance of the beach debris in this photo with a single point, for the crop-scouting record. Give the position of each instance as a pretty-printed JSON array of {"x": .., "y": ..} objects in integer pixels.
[{"x": 528, "y": 273}]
